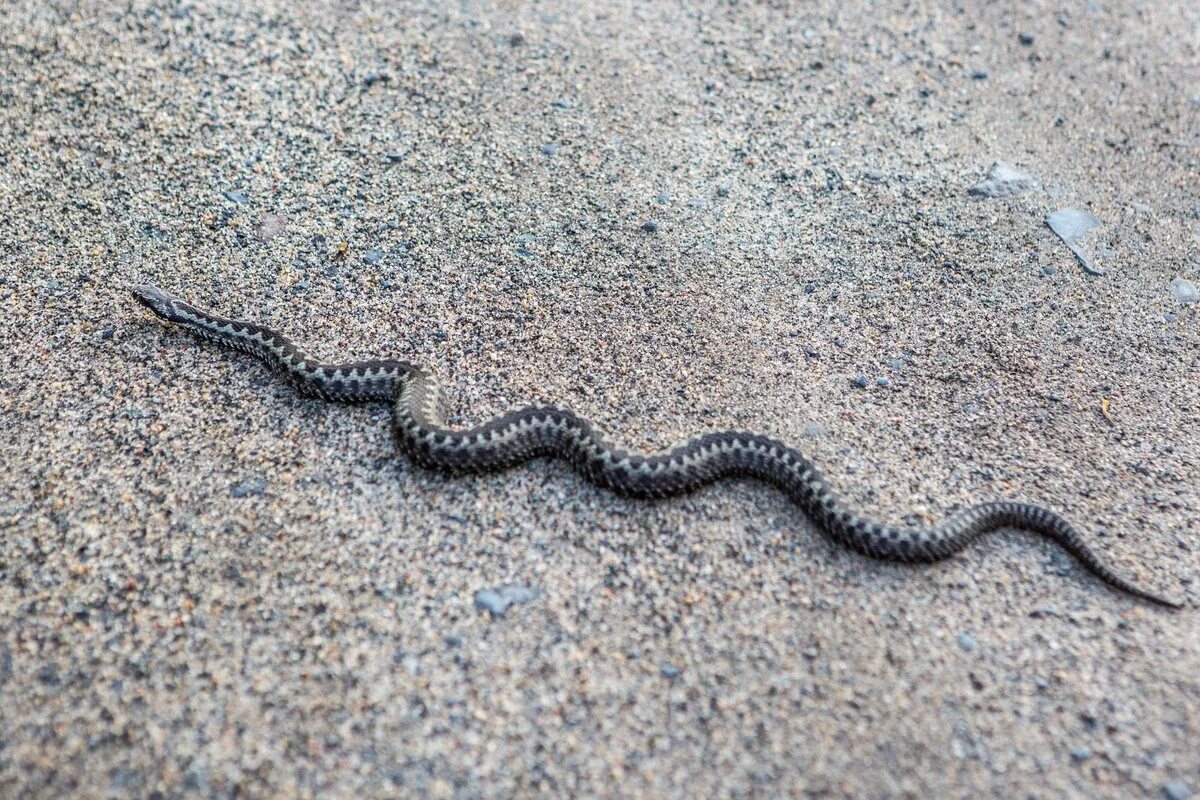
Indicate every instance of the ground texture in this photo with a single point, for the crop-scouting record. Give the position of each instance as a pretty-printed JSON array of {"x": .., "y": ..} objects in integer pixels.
[{"x": 671, "y": 219}]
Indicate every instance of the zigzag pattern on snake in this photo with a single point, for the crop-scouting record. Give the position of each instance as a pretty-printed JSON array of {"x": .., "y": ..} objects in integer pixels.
[{"x": 535, "y": 431}]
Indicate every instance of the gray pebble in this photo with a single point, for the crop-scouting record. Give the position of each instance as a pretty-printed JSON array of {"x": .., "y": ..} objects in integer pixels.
[
  {"x": 497, "y": 601},
  {"x": 979, "y": 75},
  {"x": 1081, "y": 754},
  {"x": 722, "y": 191},
  {"x": 670, "y": 671},
  {"x": 875, "y": 175},
  {"x": 1025, "y": 38},
  {"x": 663, "y": 198},
  {"x": 861, "y": 381},
  {"x": 814, "y": 430},
  {"x": 270, "y": 227},
  {"x": 1071, "y": 225},
  {"x": 550, "y": 148},
  {"x": 650, "y": 226},
  {"x": 1184, "y": 290},
  {"x": 236, "y": 197},
  {"x": 251, "y": 487},
  {"x": 1176, "y": 790},
  {"x": 882, "y": 380},
  {"x": 372, "y": 257},
  {"x": 1003, "y": 181},
  {"x": 966, "y": 641}
]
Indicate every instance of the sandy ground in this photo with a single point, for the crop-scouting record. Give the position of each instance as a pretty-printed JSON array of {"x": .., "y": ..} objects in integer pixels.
[{"x": 212, "y": 587}]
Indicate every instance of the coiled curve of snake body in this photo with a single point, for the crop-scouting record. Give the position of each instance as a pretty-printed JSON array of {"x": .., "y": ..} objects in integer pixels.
[{"x": 536, "y": 431}]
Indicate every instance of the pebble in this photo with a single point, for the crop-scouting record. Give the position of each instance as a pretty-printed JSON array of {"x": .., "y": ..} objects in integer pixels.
[
  {"x": 722, "y": 191},
  {"x": 1176, "y": 790},
  {"x": 979, "y": 75},
  {"x": 236, "y": 197},
  {"x": 1025, "y": 38},
  {"x": 670, "y": 671},
  {"x": 814, "y": 430},
  {"x": 372, "y": 257},
  {"x": 1003, "y": 181},
  {"x": 1184, "y": 290},
  {"x": 650, "y": 226},
  {"x": 1081, "y": 754},
  {"x": 550, "y": 148},
  {"x": 250, "y": 487},
  {"x": 270, "y": 227},
  {"x": 966, "y": 641},
  {"x": 497, "y": 601},
  {"x": 1071, "y": 225},
  {"x": 876, "y": 175},
  {"x": 882, "y": 380},
  {"x": 861, "y": 382}
]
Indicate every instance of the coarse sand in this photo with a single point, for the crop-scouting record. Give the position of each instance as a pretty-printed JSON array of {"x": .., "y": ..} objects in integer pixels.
[{"x": 672, "y": 218}]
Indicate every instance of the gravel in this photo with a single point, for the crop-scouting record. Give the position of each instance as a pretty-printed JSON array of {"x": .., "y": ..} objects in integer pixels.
[{"x": 318, "y": 636}]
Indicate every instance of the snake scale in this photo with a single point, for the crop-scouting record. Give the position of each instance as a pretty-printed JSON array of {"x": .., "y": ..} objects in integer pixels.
[{"x": 537, "y": 431}]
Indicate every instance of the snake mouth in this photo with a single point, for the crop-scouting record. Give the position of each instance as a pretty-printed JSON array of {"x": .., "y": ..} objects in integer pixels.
[{"x": 154, "y": 299}]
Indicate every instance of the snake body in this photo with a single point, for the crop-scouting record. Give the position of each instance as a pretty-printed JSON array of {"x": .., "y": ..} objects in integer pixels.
[{"x": 543, "y": 430}]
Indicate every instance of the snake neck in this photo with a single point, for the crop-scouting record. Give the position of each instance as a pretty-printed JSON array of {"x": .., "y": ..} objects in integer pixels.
[{"x": 354, "y": 382}]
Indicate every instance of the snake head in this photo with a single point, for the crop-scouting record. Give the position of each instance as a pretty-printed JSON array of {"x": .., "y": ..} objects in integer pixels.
[{"x": 156, "y": 300}]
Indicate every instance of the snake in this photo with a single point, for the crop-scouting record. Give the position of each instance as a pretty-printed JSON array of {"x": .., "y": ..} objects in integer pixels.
[{"x": 538, "y": 431}]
